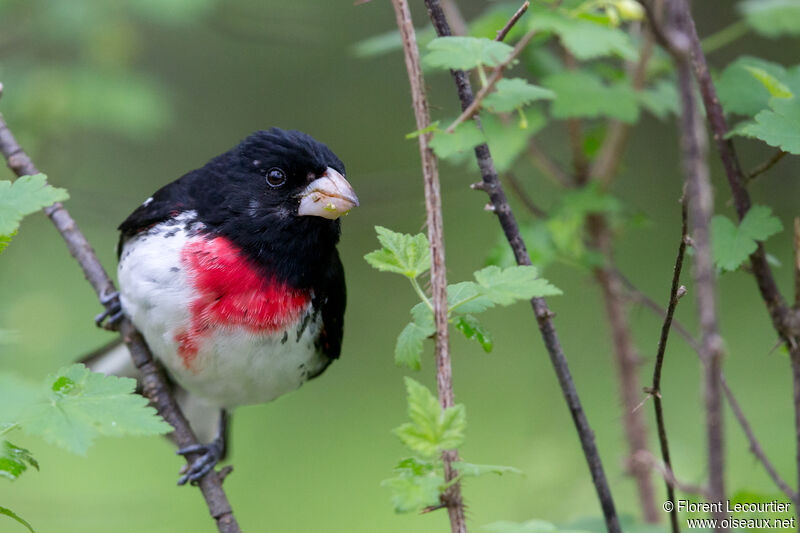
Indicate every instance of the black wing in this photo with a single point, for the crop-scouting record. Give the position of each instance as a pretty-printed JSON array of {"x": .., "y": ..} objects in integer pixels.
[
  {"x": 166, "y": 203},
  {"x": 333, "y": 300}
]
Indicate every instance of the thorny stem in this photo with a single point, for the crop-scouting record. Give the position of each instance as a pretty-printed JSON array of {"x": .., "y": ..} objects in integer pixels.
[
  {"x": 155, "y": 385},
  {"x": 451, "y": 497},
  {"x": 675, "y": 294},
  {"x": 499, "y": 202},
  {"x": 700, "y": 207}
]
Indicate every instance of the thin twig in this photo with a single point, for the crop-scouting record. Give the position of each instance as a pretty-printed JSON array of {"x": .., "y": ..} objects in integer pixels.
[
  {"x": 433, "y": 208},
  {"x": 755, "y": 446},
  {"x": 497, "y": 196},
  {"x": 496, "y": 76},
  {"x": 647, "y": 458},
  {"x": 676, "y": 291},
  {"x": 765, "y": 166},
  {"x": 527, "y": 201},
  {"x": 547, "y": 165},
  {"x": 501, "y": 34},
  {"x": 701, "y": 205},
  {"x": 154, "y": 383}
]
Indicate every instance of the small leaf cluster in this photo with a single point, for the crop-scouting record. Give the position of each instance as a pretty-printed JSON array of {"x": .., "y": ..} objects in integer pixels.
[
  {"x": 24, "y": 196},
  {"x": 409, "y": 255},
  {"x": 418, "y": 481}
]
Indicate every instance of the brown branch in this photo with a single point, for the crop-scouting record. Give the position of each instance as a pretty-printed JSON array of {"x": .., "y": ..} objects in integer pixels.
[
  {"x": 499, "y": 202},
  {"x": 155, "y": 385},
  {"x": 700, "y": 206},
  {"x": 765, "y": 166},
  {"x": 755, "y": 446},
  {"x": 676, "y": 291},
  {"x": 496, "y": 76},
  {"x": 433, "y": 208},
  {"x": 501, "y": 34}
]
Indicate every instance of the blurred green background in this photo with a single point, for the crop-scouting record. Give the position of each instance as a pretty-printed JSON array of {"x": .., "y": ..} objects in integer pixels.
[{"x": 114, "y": 99}]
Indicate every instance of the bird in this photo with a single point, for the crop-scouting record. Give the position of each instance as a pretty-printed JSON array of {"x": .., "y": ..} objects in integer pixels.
[{"x": 232, "y": 275}]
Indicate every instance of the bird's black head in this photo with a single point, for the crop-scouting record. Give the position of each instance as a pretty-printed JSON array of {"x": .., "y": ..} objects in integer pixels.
[{"x": 278, "y": 196}]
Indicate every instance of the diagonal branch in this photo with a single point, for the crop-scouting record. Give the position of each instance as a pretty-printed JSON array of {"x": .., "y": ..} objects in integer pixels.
[
  {"x": 544, "y": 317},
  {"x": 155, "y": 385},
  {"x": 433, "y": 207},
  {"x": 501, "y": 34}
]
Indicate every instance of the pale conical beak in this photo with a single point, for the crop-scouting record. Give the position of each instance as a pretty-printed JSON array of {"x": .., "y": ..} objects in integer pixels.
[{"x": 329, "y": 196}]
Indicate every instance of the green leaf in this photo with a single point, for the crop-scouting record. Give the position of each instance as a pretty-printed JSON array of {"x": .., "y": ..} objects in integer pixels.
[
  {"x": 472, "y": 329},
  {"x": 466, "y": 297},
  {"x": 391, "y": 41},
  {"x": 776, "y": 88},
  {"x": 408, "y": 350},
  {"x": 11, "y": 514},
  {"x": 661, "y": 100},
  {"x": 413, "y": 493},
  {"x": 506, "y": 286},
  {"x": 581, "y": 94},
  {"x": 80, "y": 405},
  {"x": 464, "y": 53},
  {"x": 465, "y": 137},
  {"x": 14, "y": 460},
  {"x": 431, "y": 429},
  {"x": 778, "y": 126},
  {"x": 772, "y": 18},
  {"x": 741, "y": 92},
  {"x": 537, "y": 239},
  {"x": 512, "y": 93},
  {"x": 431, "y": 127},
  {"x": 732, "y": 245},
  {"x": 473, "y": 470},
  {"x": 24, "y": 196},
  {"x": 586, "y": 39},
  {"x": 401, "y": 253},
  {"x": 5, "y": 240}
]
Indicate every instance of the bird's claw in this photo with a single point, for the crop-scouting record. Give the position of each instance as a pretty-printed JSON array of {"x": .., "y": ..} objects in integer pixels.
[
  {"x": 210, "y": 455},
  {"x": 113, "y": 314}
]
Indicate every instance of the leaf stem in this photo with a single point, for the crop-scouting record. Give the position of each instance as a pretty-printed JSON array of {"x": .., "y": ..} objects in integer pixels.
[
  {"x": 725, "y": 36},
  {"x": 421, "y": 293}
]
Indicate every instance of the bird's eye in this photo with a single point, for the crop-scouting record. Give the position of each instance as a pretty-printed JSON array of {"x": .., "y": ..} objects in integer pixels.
[{"x": 276, "y": 177}]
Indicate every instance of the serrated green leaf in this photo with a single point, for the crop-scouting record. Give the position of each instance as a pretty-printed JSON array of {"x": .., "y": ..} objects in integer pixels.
[
  {"x": 5, "y": 240},
  {"x": 11, "y": 514},
  {"x": 473, "y": 470},
  {"x": 464, "y": 53},
  {"x": 401, "y": 253},
  {"x": 80, "y": 405},
  {"x": 661, "y": 100},
  {"x": 772, "y": 18},
  {"x": 771, "y": 83},
  {"x": 466, "y": 297},
  {"x": 413, "y": 493},
  {"x": 414, "y": 466},
  {"x": 464, "y": 137},
  {"x": 511, "y": 93},
  {"x": 24, "y": 196},
  {"x": 779, "y": 125},
  {"x": 506, "y": 286},
  {"x": 742, "y": 93},
  {"x": 581, "y": 94},
  {"x": 586, "y": 39},
  {"x": 474, "y": 330},
  {"x": 408, "y": 350},
  {"x": 732, "y": 245},
  {"x": 14, "y": 460},
  {"x": 431, "y": 429}
]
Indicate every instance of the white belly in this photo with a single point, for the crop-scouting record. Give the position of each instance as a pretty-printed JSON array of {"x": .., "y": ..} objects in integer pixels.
[{"x": 232, "y": 364}]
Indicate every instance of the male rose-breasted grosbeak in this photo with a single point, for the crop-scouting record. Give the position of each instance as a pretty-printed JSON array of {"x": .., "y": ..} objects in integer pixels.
[{"x": 232, "y": 275}]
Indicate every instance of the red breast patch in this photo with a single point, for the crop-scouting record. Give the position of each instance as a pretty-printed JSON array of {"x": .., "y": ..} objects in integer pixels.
[{"x": 231, "y": 292}]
